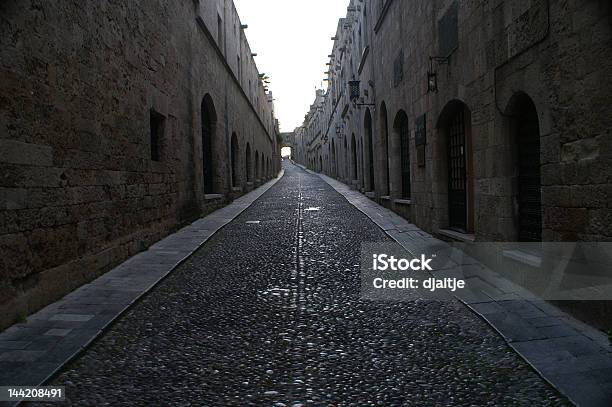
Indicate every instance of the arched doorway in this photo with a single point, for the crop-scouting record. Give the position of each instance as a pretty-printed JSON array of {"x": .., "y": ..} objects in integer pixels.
[
  {"x": 353, "y": 157},
  {"x": 248, "y": 163},
  {"x": 367, "y": 124},
  {"x": 454, "y": 126},
  {"x": 234, "y": 157},
  {"x": 286, "y": 152},
  {"x": 402, "y": 135},
  {"x": 360, "y": 158},
  {"x": 256, "y": 165},
  {"x": 384, "y": 147},
  {"x": 346, "y": 163},
  {"x": 334, "y": 163},
  {"x": 525, "y": 132},
  {"x": 208, "y": 124}
]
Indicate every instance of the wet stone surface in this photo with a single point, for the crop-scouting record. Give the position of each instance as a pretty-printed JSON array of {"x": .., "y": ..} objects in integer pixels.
[{"x": 269, "y": 314}]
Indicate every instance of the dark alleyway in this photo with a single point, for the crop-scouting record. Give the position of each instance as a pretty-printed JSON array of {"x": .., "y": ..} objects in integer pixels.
[{"x": 269, "y": 313}]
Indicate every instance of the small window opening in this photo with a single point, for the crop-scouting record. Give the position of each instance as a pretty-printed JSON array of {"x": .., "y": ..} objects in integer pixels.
[{"x": 157, "y": 122}]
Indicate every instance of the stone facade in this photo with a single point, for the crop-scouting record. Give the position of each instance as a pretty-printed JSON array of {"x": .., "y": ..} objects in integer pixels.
[
  {"x": 119, "y": 122},
  {"x": 475, "y": 120}
]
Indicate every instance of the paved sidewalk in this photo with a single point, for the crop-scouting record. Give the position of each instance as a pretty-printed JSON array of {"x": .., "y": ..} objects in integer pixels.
[
  {"x": 31, "y": 352},
  {"x": 574, "y": 357}
]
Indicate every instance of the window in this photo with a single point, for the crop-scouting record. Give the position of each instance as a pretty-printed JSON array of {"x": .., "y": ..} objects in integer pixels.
[
  {"x": 365, "y": 24},
  {"x": 156, "y": 122},
  {"x": 448, "y": 31},
  {"x": 219, "y": 31},
  {"x": 398, "y": 69}
]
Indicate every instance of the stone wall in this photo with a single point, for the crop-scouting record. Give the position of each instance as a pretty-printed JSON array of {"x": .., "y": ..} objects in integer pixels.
[
  {"x": 80, "y": 85},
  {"x": 491, "y": 59}
]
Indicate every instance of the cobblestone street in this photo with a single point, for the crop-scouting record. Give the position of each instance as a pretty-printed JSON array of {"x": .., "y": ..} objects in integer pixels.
[{"x": 268, "y": 312}]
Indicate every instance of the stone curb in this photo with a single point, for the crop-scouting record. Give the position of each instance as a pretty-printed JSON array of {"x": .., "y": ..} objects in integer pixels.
[
  {"x": 34, "y": 351},
  {"x": 573, "y": 357}
]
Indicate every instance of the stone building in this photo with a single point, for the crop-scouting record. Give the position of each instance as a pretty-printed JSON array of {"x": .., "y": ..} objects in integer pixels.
[
  {"x": 287, "y": 140},
  {"x": 475, "y": 120},
  {"x": 119, "y": 123}
]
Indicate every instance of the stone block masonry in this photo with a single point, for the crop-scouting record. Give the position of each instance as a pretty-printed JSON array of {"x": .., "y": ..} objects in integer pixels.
[
  {"x": 487, "y": 119},
  {"x": 119, "y": 122}
]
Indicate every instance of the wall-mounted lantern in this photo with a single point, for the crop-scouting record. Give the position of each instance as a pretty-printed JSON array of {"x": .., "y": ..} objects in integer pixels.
[
  {"x": 432, "y": 81},
  {"x": 355, "y": 93},
  {"x": 354, "y": 90}
]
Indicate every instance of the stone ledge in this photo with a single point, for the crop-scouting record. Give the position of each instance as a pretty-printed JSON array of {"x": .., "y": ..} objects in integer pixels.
[
  {"x": 523, "y": 257},
  {"x": 461, "y": 237},
  {"x": 212, "y": 197},
  {"x": 402, "y": 201}
]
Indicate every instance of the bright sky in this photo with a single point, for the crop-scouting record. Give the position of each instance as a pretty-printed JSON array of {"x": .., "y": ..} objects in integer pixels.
[{"x": 292, "y": 39}]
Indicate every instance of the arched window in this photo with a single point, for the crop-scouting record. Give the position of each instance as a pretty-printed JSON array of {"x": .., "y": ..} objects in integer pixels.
[{"x": 208, "y": 123}]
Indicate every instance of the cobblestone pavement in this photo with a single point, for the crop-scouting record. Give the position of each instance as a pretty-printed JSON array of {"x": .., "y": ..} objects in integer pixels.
[{"x": 269, "y": 314}]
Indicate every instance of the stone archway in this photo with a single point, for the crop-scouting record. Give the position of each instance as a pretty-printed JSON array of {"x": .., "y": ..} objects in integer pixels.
[
  {"x": 248, "y": 164},
  {"x": 235, "y": 160},
  {"x": 353, "y": 158},
  {"x": 257, "y": 175},
  {"x": 369, "y": 161},
  {"x": 524, "y": 129},
  {"x": 384, "y": 150},
  {"x": 456, "y": 167}
]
